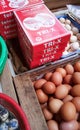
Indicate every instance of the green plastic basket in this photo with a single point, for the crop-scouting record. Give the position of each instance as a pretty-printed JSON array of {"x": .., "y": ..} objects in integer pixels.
[{"x": 3, "y": 54}]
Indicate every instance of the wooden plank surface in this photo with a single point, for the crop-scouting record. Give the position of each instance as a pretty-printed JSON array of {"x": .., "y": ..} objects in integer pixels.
[
  {"x": 29, "y": 102},
  {"x": 7, "y": 82},
  {"x": 40, "y": 71}
]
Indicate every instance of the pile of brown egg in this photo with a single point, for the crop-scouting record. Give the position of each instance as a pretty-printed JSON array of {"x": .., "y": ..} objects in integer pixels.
[
  {"x": 74, "y": 43},
  {"x": 58, "y": 93}
]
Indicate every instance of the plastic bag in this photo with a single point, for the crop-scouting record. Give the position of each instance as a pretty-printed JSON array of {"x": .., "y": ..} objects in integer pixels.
[{"x": 74, "y": 10}]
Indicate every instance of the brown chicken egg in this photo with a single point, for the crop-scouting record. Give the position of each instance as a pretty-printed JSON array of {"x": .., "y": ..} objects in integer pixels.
[
  {"x": 76, "y": 78},
  {"x": 48, "y": 75},
  {"x": 69, "y": 87},
  {"x": 62, "y": 71},
  {"x": 42, "y": 97},
  {"x": 68, "y": 98},
  {"x": 70, "y": 125},
  {"x": 77, "y": 66},
  {"x": 52, "y": 125},
  {"x": 56, "y": 78},
  {"x": 69, "y": 68},
  {"x": 47, "y": 114},
  {"x": 75, "y": 91},
  {"x": 68, "y": 111},
  {"x": 38, "y": 83},
  {"x": 55, "y": 105},
  {"x": 76, "y": 102},
  {"x": 61, "y": 91},
  {"x": 49, "y": 87},
  {"x": 67, "y": 79}
]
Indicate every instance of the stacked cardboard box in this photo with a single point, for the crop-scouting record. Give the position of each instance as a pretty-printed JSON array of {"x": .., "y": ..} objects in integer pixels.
[
  {"x": 7, "y": 21},
  {"x": 42, "y": 37}
]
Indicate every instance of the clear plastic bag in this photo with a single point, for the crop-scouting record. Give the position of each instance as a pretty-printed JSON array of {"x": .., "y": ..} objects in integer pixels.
[{"x": 74, "y": 10}]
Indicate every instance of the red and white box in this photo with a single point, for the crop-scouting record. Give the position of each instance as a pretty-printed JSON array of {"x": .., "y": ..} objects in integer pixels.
[
  {"x": 41, "y": 35},
  {"x": 7, "y": 22}
]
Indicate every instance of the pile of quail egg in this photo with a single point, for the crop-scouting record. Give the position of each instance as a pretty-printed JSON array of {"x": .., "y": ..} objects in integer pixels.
[
  {"x": 7, "y": 120},
  {"x": 74, "y": 43}
]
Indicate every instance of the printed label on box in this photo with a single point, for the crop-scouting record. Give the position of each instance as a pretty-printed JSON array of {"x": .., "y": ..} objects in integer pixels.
[
  {"x": 39, "y": 24},
  {"x": 6, "y": 5},
  {"x": 6, "y": 11}
]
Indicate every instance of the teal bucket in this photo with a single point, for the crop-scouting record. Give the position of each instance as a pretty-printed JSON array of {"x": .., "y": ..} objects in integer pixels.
[{"x": 3, "y": 54}]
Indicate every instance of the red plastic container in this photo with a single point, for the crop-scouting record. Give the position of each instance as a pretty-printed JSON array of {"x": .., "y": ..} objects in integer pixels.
[{"x": 13, "y": 107}]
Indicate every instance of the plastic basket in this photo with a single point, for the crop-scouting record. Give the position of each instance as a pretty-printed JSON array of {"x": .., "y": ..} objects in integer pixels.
[
  {"x": 12, "y": 106},
  {"x": 3, "y": 54}
]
